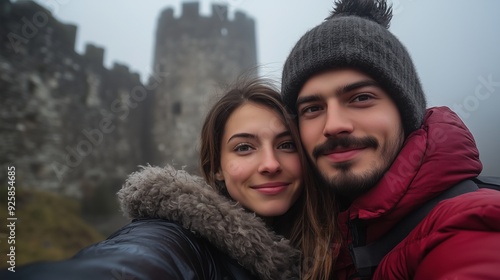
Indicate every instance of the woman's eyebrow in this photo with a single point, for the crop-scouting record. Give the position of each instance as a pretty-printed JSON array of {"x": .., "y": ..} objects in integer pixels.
[
  {"x": 285, "y": 133},
  {"x": 241, "y": 135}
]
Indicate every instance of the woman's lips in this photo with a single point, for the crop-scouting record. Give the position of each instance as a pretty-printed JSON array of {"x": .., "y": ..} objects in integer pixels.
[{"x": 272, "y": 188}]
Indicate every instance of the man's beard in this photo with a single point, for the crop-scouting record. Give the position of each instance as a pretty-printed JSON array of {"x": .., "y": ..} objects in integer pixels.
[{"x": 346, "y": 184}]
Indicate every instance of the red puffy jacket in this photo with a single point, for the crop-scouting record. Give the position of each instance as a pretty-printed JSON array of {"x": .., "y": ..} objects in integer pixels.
[{"x": 459, "y": 238}]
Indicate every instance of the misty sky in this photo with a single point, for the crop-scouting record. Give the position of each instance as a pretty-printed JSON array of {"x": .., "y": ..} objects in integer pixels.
[{"x": 455, "y": 45}]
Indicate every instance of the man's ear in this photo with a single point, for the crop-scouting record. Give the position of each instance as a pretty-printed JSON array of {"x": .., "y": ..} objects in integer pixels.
[{"x": 219, "y": 176}]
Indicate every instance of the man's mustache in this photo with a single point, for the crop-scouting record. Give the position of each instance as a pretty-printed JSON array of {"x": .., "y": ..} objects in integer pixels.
[{"x": 344, "y": 142}]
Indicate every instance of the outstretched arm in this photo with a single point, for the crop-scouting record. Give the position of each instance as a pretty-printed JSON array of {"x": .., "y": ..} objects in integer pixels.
[{"x": 145, "y": 249}]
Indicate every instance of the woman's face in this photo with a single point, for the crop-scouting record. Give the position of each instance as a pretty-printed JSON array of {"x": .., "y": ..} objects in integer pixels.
[{"x": 259, "y": 161}]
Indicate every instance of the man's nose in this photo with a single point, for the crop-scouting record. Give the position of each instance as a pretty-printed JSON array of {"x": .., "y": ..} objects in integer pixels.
[{"x": 338, "y": 121}]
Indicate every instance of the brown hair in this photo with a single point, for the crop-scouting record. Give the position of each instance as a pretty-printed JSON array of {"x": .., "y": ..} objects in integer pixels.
[
  {"x": 316, "y": 228},
  {"x": 311, "y": 222}
]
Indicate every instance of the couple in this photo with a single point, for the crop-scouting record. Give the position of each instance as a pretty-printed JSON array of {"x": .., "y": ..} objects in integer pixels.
[{"x": 333, "y": 163}]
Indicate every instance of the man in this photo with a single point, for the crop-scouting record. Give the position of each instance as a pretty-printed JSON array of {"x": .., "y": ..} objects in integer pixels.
[{"x": 364, "y": 124}]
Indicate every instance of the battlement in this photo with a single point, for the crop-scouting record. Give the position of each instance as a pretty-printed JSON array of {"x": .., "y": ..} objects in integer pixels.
[
  {"x": 191, "y": 11},
  {"x": 120, "y": 68},
  {"x": 68, "y": 36},
  {"x": 41, "y": 28},
  {"x": 94, "y": 55},
  {"x": 192, "y": 24},
  {"x": 168, "y": 13}
]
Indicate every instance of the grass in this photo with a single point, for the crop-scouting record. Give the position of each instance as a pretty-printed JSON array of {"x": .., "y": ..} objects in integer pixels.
[{"x": 48, "y": 227}]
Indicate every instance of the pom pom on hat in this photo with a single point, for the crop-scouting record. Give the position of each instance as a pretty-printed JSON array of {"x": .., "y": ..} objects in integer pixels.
[{"x": 377, "y": 11}]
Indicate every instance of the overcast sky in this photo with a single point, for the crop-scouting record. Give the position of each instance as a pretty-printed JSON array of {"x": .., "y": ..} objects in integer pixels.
[{"x": 454, "y": 44}]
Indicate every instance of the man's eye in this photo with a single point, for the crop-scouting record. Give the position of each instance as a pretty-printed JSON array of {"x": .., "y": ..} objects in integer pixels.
[
  {"x": 311, "y": 109},
  {"x": 362, "y": 97}
]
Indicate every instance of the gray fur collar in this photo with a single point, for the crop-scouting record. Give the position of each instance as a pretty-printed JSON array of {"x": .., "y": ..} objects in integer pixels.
[{"x": 176, "y": 195}]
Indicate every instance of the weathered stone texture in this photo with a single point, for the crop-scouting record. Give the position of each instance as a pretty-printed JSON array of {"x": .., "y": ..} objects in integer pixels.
[{"x": 66, "y": 121}]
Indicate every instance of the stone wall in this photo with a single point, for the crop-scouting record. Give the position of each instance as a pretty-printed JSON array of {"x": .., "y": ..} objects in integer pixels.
[{"x": 67, "y": 123}]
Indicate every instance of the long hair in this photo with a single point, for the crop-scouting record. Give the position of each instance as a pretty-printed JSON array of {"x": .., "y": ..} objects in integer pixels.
[{"x": 316, "y": 228}]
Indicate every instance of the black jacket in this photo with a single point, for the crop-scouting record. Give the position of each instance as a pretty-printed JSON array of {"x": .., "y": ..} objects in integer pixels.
[{"x": 182, "y": 229}]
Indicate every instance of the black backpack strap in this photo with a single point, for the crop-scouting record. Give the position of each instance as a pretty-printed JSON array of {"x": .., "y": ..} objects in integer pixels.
[
  {"x": 489, "y": 182},
  {"x": 366, "y": 258}
]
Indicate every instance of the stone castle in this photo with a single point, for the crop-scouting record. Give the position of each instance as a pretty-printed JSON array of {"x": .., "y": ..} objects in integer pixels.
[{"x": 68, "y": 124}]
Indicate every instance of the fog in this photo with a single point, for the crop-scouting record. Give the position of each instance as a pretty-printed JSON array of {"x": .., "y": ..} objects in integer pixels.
[{"x": 454, "y": 45}]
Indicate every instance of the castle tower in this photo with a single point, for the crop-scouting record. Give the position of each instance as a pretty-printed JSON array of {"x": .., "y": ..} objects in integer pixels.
[{"x": 194, "y": 55}]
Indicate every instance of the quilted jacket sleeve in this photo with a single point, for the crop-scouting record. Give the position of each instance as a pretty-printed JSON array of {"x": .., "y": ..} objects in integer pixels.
[
  {"x": 467, "y": 246},
  {"x": 459, "y": 239},
  {"x": 144, "y": 249}
]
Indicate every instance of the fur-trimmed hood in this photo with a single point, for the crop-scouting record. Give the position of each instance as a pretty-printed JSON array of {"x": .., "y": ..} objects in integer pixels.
[{"x": 177, "y": 196}]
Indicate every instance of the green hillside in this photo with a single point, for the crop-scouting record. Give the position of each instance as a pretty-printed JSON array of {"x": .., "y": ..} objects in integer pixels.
[{"x": 48, "y": 227}]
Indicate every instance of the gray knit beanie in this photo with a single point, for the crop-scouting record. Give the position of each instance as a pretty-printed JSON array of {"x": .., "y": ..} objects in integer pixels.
[{"x": 356, "y": 36}]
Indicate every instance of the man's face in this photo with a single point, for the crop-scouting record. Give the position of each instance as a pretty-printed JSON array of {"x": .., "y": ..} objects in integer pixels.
[{"x": 351, "y": 129}]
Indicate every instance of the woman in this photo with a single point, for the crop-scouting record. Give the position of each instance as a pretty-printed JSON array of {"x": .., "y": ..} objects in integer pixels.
[
  {"x": 184, "y": 229},
  {"x": 310, "y": 224}
]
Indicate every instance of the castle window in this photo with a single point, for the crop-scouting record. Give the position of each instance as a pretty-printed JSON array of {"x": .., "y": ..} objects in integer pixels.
[
  {"x": 31, "y": 87},
  {"x": 223, "y": 31},
  {"x": 176, "y": 108}
]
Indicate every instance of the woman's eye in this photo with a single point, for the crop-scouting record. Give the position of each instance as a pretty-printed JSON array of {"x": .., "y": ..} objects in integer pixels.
[
  {"x": 243, "y": 148},
  {"x": 288, "y": 146}
]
